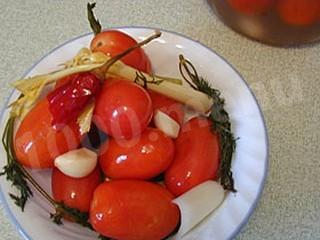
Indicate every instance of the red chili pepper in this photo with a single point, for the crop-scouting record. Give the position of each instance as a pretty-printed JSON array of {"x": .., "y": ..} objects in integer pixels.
[{"x": 67, "y": 101}]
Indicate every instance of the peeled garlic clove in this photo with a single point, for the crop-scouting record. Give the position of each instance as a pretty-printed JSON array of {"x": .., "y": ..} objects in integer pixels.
[
  {"x": 166, "y": 124},
  {"x": 198, "y": 203},
  {"x": 77, "y": 163}
]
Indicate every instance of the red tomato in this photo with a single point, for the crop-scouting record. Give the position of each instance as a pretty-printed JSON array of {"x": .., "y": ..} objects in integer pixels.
[
  {"x": 37, "y": 143},
  {"x": 196, "y": 159},
  {"x": 113, "y": 42},
  {"x": 251, "y": 6},
  {"x": 133, "y": 210},
  {"x": 141, "y": 158},
  {"x": 123, "y": 109},
  {"x": 167, "y": 105},
  {"x": 74, "y": 192},
  {"x": 299, "y": 12}
]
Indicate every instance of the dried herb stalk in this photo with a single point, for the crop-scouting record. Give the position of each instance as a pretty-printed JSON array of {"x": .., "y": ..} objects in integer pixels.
[{"x": 220, "y": 119}]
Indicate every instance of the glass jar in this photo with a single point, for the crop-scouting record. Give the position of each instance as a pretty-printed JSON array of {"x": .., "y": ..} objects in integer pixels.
[{"x": 276, "y": 22}]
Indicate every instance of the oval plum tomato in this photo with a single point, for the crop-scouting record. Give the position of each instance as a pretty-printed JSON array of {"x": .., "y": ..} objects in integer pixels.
[
  {"x": 167, "y": 105},
  {"x": 123, "y": 109},
  {"x": 298, "y": 12},
  {"x": 133, "y": 210},
  {"x": 37, "y": 143},
  {"x": 251, "y": 6},
  {"x": 141, "y": 158},
  {"x": 74, "y": 192},
  {"x": 113, "y": 42},
  {"x": 197, "y": 157}
]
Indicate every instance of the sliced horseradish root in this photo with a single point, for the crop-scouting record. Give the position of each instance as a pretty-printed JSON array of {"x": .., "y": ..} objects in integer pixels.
[
  {"x": 77, "y": 163},
  {"x": 198, "y": 203}
]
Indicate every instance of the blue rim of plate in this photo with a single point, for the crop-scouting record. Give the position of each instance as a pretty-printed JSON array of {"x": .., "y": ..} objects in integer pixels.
[{"x": 266, "y": 167}]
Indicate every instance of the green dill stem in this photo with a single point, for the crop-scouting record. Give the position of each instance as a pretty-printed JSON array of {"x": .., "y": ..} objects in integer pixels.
[
  {"x": 38, "y": 187},
  {"x": 184, "y": 64},
  {"x": 19, "y": 176},
  {"x": 60, "y": 208},
  {"x": 94, "y": 22},
  {"x": 12, "y": 170},
  {"x": 7, "y": 141},
  {"x": 220, "y": 119}
]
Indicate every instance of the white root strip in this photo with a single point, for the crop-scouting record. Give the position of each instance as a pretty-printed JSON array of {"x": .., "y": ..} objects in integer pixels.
[
  {"x": 87, "y": 61},
  {"x": 31, "y": 88},
  {"x": 28, "y": 84},
  {"x": 85, "y": 118},
  {"x": 198, "y": 203}
]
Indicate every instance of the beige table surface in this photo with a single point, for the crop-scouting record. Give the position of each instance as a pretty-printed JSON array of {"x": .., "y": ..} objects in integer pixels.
[{"x": 285, "y": 81}]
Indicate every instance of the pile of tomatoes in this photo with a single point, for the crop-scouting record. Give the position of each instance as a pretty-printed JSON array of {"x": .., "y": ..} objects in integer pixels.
[
  {"x": 122, "y": 195},
  {"x": 292, "y": 12}
]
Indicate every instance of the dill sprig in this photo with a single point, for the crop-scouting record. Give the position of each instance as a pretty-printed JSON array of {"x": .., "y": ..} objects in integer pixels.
[
  {"x": 101, "y": 237},
  {"x": 220, "y": 119},
  {"x": 143, "y": 81},
  {"x": 64, "y": 211},
  {"x": 13, "y": 170},
  {"x": 94, "y": 22},
  {"x": 20, "y": 177}
]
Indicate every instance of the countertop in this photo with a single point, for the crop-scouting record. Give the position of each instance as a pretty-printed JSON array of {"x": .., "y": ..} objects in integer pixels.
[{"x": 284, "y": 80}]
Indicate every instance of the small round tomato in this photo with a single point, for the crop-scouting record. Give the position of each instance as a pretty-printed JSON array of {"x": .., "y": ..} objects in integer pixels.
[
  {"x": 167, "y": 105},
  {"x": 123, "y": 109},
  {"x": 133, "y": 210},
  {"x": 299, "y": 12},
  {"x": 144, "y": 157},
  {"x": 113, "y": 42},
  {"x": 196, "y": 159},
  {"x": 37, "y": 143},
  {"x": 251, "y": 6},
  {"x": 74, "y": 192}
]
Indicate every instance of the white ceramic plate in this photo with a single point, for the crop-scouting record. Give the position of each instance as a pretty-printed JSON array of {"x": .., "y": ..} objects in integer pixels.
[{"x": 250, "y": 159}]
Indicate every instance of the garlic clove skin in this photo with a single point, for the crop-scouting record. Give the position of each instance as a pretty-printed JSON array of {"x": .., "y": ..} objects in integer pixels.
[
  {"x": 198, "y": 203},
  {"x": 77, "y": 163},
  {"x": 166, "y": 124}
]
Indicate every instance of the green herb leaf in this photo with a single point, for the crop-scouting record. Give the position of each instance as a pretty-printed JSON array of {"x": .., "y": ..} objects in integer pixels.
[
  {"x": 19, "y": 176},
  {"x": 220, "y": 119},
  {"x": 78, "y": 216},
  {"x": 13, "y": 170},
  {"x": 57, "y": 218},
  {"x": 101, "y": 237},
  {"x": 94, "y": 22}
]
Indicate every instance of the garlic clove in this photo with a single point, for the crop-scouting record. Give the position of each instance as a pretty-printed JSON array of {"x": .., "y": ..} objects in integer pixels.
[
  {"x": 77, "y": 163},
  {"x": 166, "y": 124},
  {"x": 198, "y": 203}
]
